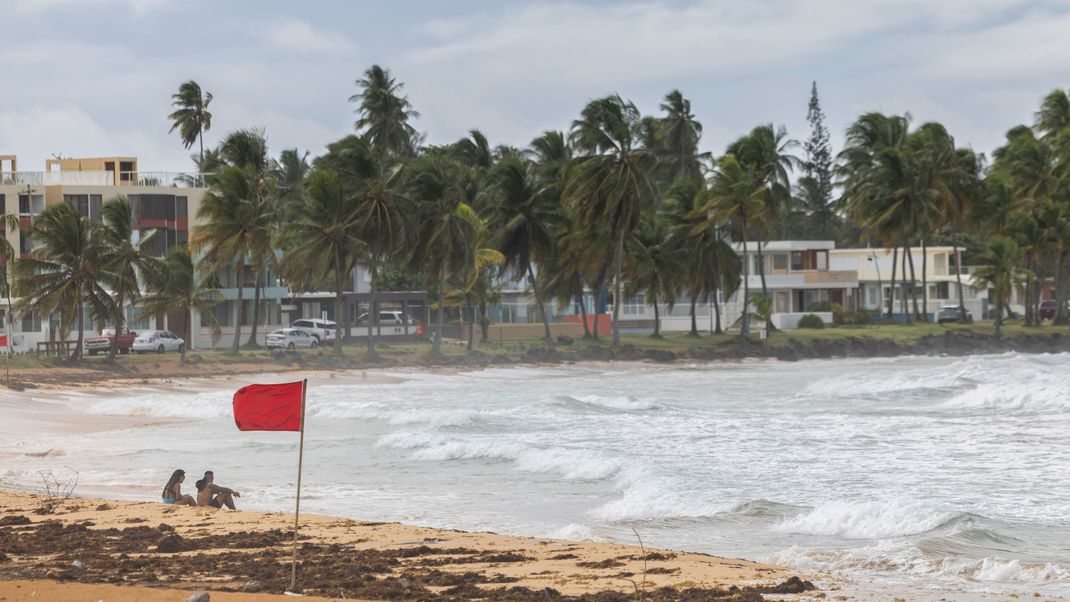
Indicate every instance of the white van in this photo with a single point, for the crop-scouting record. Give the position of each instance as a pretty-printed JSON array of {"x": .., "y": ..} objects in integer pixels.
[{"x": 322, "y": 330}]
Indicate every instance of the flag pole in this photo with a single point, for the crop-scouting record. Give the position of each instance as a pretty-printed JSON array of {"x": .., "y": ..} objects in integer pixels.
[{"x": 297, "y": 510}]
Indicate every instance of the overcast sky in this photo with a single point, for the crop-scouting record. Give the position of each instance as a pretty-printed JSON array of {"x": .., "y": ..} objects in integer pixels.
[{"x": 94, "y": 77}]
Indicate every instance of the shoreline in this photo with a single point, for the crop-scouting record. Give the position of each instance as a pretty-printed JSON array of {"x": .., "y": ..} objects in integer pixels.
[
  {"x": 123, "y": 546},
  {"x": 168, "y": 370}
]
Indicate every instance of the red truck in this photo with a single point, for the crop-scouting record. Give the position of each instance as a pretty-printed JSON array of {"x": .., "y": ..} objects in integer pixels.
[{"x": 102, "y": 344}]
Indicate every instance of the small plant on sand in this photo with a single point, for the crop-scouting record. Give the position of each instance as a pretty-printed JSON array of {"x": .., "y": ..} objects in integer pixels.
[{"x": 56, "y": 492}]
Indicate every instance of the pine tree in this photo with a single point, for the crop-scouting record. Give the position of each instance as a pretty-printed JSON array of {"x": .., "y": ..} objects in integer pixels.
[{"x": 815, "y": 187}]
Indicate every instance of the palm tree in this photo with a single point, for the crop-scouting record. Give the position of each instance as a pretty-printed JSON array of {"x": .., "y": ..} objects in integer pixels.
[
  {"x": 611, "y": 183},
  {"x": 680, "y": 133},
  {"x": 173, "y": 285},
  {"x": 123, "y": 259},
  {"x": 524, "y": 218},
  {"x": 735, "y": 196},
  {"x": 999, "y": 271},
  {"x": 877, "y": 182},
  {"x": 447, "y": 237},
  {"x": 655, "y": 266},
  {"x": 64, "y": 273},
  {"x": 233, "y": 220},
  {"x": 322, "y": 239},
  {"x": 248, "y": 150},
  {"x": 380, "y": 216},
  {"x": 9, "y": 222},
  {"x": 1053, "y": 117},
  {"x": 384, "y": 115},
  {"x": 191, "y": 116}
]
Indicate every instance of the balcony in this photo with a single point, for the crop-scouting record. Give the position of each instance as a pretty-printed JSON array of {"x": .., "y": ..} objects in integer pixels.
[{"x": 164, "y": 179}]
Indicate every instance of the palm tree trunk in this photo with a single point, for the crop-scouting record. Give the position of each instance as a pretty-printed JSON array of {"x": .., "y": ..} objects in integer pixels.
[
  {"x": 657, "y": 318},
  {"x": 373, "y": 313},
  {"x": 913, "y": 281},
  {"x": 958, "y": 281},
  {"x": 256, "y": 309},
  {"x": 924, "y": 281},
  {"x": 1029, "y": 291},
  {"x": 744, "y": 328},
  {"x": 484, "y": 322},
  {"x": 999, "y": 318},
  {"x": 891, "y": 285},
  {"x": 1060, "y": 289},
  {"x": 617, "y": 300},
  {"x": 339, "y": 298},
  {"x": 118, "y": 329},
  {"x": 81, "y": 325},
  {"x": 765, "y": 289},
  {"x": 200, "y": 167},
  {"x": 717, "y": 314},
  {"x": 471, "y": 326},
  {"x": 241, "y": 304},
  {"x": 694, "y": 320},
  {"x": 583, "y": 313},
  {"x": 598, "y": 286},
  {"x": 906, "y": 311},
  {"x": 538, "y": 301},
  {"x": 436, "y": 343},
  {"x": 187, "y": 333}
]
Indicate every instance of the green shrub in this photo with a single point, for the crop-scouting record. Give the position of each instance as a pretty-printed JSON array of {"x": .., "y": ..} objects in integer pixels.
[
  {"x": 811, "y": 321},
  {"x": 838, "y": 315},
  {"x": 860, "y": 317}
]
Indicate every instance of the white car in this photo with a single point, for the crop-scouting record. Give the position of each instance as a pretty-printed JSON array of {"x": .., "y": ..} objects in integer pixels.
[
  {"x": 291, "y": 338},
  {"x": 158, "y": 341},
  {"x": 322, "y": 330}
]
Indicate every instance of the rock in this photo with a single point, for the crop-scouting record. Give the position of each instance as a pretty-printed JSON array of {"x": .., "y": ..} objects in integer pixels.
[
  {"x": 564, "y": 339},
  {"x": 199, "y": 597},
  {"x": 57, "y": 574},
  {"x": 17, "y": 519},
  {"x": 659, "y": 355},
  {"x": 405, "y": 583},
  {"x": 169, "y": 543},
  {"x": 164, "y": 528},
  {"x": 103, "y": 507},
  {"x": 3, "y": 557},
  {"x": 78, "y": 565},
  {"x": 252, "y": 587}
]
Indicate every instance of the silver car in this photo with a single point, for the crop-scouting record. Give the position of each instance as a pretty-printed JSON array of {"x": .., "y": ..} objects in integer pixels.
[
  {"x": 291, "y": 338},
  {"x": 159, "y": 341}
]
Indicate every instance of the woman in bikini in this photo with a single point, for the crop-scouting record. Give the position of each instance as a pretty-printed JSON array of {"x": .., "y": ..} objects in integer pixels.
[{"x": 172, "y": 492}]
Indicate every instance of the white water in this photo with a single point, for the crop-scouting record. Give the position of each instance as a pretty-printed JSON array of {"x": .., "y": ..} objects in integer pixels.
[{"x": 921, "y": 471}]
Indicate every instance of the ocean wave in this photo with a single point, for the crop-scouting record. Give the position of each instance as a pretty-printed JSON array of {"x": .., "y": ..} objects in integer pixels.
[
  {"x": 604, "y": 403},
  {"x": 645, "y": 498},
  {"x": 1041, "y": 393},
  {"x": 570, "y": 464},
  {"x": 865, "y": 520},
  {"x": 897, "y": 557},
  {"x": 198, "y": 406}
]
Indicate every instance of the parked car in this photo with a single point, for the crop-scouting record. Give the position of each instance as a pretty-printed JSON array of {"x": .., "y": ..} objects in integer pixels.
[
  {"x": 952, "y": 313},
  {"x": 291, "y": 338},
  {"x": 103, "y": 343},
  {"x": 158, "y": 341},
  {"x": 1046, "y": 310},
  {"x": 395, "y": 320},
  {"x": 322, "y": 330}
]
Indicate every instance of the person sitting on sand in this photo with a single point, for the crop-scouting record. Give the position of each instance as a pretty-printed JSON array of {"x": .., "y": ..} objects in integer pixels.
[
  {"x": 210, "y": 494},
  {"x": 172, "y": 491}
]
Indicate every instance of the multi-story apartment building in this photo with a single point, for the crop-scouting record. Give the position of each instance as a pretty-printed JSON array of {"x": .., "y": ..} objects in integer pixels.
[{"x": 162, "y": 202}]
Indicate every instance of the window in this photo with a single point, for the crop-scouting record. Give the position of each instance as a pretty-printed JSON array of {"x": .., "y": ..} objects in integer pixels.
[
  {"x": 157, "y": 206},
  {"x": 126, "y": 169},
  {"x": 24, "y": 242},
  {"x": 24, "y": 203},
  {"x": 31, "y": 322},
  {"x": 79, "y": 202},
  {"x": 780, "y": 261},
  {"x": 796, "y": 260},
  {"x": 635, "y": 305},
  {"x": 181, "y": 207},
  {"x": 95, "y": 202},
  {"x": 822, "y": 260},
  {"x": 3, "y": 204},
  {"x": 222, "y": 314}
]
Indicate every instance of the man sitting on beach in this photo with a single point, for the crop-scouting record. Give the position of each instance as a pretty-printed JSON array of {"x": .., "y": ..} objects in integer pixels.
[{"x": 210, "y": 494}]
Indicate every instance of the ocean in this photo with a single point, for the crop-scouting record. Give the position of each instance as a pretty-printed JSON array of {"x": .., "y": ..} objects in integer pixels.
[{"x": 945, "y": 472}]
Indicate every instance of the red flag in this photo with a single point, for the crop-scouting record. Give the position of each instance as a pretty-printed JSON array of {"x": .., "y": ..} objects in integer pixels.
[{"x": 268, "y": 407}]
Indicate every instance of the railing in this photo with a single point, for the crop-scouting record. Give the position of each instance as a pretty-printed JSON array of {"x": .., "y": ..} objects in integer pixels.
[{"x": 165, "y": 179}]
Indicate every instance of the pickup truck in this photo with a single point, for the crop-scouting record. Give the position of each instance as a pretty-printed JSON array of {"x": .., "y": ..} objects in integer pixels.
[{"x": 102, "y": 343}]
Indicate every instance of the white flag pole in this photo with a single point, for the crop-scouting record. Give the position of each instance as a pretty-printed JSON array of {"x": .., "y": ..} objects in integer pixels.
[{"x": 297, "y": 510}]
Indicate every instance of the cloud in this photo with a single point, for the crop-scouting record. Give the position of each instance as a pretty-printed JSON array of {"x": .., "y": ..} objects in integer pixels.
[
  {"x": 138, "y": 7},
  {"x": 296, "y": 35}
]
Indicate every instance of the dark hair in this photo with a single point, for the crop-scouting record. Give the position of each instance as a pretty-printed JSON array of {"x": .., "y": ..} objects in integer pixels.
[
  {"x": 202, "y": 483},
  {"x": 168, "y": 489}
]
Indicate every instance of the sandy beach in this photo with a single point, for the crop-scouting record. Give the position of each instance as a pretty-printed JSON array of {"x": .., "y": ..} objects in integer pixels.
[{"x": 146, "y": 551}]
